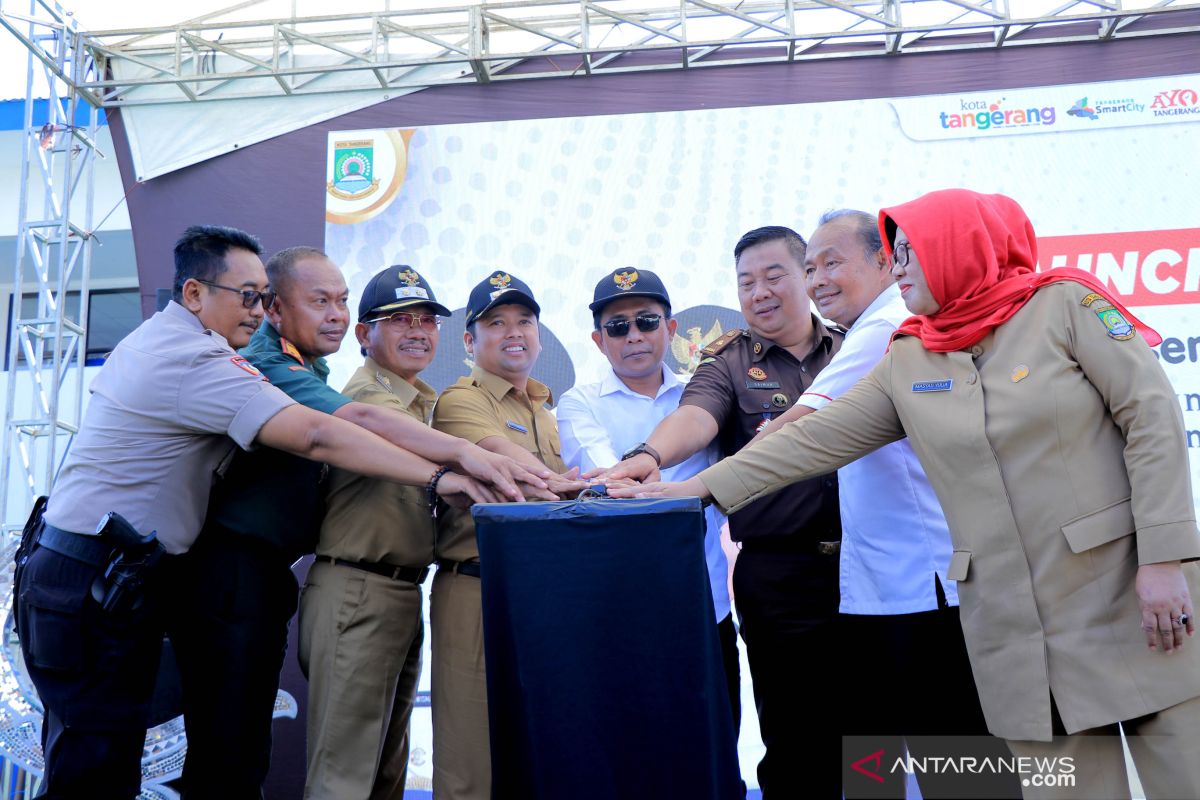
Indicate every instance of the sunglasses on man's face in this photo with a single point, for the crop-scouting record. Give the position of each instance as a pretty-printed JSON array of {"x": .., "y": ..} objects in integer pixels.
[
  {"x": 618, "y": 328},
  {"x": 249, "y": 296}
]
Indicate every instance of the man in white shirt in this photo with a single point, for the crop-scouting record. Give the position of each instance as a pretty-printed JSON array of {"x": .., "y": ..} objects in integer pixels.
[
  {"x": 907, "y": 666},
  {"x": 598, "y": 423}
]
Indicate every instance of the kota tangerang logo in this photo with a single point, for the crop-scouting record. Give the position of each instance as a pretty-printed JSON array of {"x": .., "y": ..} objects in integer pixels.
[
  {"x": 984, "y": 115},
  {"x": 353, "y": 170},
  {"x": 364, "y": 173}
]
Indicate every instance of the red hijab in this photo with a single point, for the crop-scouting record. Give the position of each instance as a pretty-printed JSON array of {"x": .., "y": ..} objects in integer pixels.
[{"x": 979, "y": 256}]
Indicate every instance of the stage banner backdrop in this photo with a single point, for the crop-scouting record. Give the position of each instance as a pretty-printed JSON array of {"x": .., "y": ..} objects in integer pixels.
[{"x": 1107, "y": 172}]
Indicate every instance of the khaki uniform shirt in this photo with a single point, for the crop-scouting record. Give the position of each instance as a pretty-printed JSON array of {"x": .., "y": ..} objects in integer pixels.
[
  {"x": 167, "y": 409},
  {"x": 745, "y": 380},
  {"x": 483, "y": 405},
  {"x": 1056, "y": 448},
  {"x": 372, "y": 520}
]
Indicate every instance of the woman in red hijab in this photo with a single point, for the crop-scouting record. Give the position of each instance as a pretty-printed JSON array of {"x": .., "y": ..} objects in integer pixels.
[{"x": 1056, "y": 446}]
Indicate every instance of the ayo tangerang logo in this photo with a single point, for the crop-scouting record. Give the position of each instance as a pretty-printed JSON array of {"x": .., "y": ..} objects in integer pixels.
[{"x": 1176, "y": 102}]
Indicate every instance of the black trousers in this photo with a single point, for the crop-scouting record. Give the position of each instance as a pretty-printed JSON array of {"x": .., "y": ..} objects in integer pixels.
[
  {"x": 787, "y": 606},
  {"x": 727, "y": 634},
  {"x": 229, "y": 631},
  {"x": 94, "y": 672},
  {"x": 911, "y": 689}
]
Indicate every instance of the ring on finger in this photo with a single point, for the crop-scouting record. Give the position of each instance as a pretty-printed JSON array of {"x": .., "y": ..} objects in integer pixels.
[{"x": 1182, "y": 621}]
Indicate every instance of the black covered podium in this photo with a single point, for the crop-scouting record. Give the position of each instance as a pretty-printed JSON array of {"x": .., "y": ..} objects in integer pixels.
[{"x": 604, "y": 671}]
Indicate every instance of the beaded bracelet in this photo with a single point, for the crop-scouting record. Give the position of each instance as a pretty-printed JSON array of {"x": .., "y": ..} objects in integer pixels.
[{"x": 431, "y": 494}]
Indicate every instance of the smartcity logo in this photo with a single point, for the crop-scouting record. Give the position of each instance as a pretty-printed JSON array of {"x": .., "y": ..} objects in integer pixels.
[{"x": 1082, "y": 109}]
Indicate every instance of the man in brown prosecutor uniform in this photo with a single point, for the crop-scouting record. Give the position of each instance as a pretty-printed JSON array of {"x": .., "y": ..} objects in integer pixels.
[{"x": 501, "y": 409}]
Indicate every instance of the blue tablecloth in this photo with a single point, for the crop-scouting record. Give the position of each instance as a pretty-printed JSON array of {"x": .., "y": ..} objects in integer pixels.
[{"x": 604, "y": 671}]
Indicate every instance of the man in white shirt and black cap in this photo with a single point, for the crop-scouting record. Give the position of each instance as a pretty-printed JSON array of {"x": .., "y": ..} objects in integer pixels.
[{"x": 600, "y": 422}]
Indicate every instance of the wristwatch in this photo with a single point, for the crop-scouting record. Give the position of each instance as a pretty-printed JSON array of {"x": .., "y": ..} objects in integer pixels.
[{"x": 643, "y": 448}]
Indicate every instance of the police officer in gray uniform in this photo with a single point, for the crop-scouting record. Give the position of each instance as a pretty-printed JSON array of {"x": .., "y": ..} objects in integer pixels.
[{"x": 168, "y": 407}]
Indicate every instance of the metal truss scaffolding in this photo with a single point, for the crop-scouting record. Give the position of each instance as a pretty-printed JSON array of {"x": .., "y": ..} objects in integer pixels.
[
  {"x": 243, "y": 52},
  {"x": 47, "y": 337}
]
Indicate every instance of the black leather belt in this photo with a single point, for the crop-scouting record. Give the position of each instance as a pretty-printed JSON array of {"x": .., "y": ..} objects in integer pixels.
[
  {"x": 793, "y": 545},
  {"x": 90, "y": 550},
  {"x": 470, "y": 568},
  {"x": 409, "y": 574}
]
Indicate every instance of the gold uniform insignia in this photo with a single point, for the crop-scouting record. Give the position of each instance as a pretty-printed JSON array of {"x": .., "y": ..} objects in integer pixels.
[
  {"x": 626, "y": 279},
  {"x": 721, "y": 342},
  {"x": 757, "y": 373},
  {"x": 757, "y": 348},
  {"x": 500, "y": 280},
  {"x": 1020, "y": 372},
  {"x": 289, "y": 349},
  {"x": 409, "y": 278}
]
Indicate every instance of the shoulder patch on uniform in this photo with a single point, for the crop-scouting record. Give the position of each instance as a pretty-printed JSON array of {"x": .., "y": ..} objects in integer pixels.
[
  {"x": 240, "y": 361},
  {"x": 1114, "y": 321},
  {"x": 721, "y": 342},
  {"x": 707, "y": 360},
  {"x": 289, "y": 349}
]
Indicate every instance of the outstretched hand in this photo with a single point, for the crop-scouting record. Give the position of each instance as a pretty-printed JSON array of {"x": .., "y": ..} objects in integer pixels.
[
  {"x": 461, "y": 491},
  {"x": 504, "y": 473},
  {"x": 692, "y": 487}
]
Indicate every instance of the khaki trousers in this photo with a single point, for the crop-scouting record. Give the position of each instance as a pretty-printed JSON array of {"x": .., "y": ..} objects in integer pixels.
[
  {"x": 360, "y": 647},
  {"x": 1165, "y": 747},
  {"x": 462, "y": 760}
]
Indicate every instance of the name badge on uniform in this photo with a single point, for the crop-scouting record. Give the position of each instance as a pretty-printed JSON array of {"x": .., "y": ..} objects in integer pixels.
[
  {"x": 933, "y": 386},
  {"x": 763, "y": 385},
  {"x": 516, "y": 427}
]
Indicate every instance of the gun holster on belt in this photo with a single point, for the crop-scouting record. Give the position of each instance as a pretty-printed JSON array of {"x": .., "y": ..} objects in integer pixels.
[
  {"x": 29, "y": 538},
  {"x": 120, "y": 585}
]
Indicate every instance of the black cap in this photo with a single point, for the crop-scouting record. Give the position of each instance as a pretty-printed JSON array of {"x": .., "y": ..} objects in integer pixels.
[
  {"x": 497, "y": 289},
  {"x": 628, "y": 282},
  {"x": 395, "y": 288}
]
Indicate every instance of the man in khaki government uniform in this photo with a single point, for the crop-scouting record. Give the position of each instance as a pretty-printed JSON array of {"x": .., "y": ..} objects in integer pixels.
[
  {"x": 170, "y": 404},
  {"x": 500, "y": 408},
  {"x": 361, "y": 627},
  {"x": 241, "y": 592},
  {"x": 1066, "y": 490}
]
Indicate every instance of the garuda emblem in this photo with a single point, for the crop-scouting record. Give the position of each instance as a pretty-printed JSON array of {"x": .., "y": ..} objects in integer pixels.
[
  {"x": 626, "y": 279},
  {"x": 688, "y": 351}
]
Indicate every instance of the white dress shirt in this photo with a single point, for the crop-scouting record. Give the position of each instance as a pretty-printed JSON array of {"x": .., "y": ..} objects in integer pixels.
[
  {"x": 597, "y": 422},
  {"x": 894, "y": 535}
]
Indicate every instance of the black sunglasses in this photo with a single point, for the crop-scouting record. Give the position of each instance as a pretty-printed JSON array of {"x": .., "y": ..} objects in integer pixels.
[
  {"x": 618, "y": 328},
  {"x": 249, "y": 296}
]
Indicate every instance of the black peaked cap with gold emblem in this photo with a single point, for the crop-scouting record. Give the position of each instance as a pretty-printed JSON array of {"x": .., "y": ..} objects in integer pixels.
[
  {"x": 396, "y": 288},
  {"x": 496, "y": 289},
  {"x": 628, "y": 282}
]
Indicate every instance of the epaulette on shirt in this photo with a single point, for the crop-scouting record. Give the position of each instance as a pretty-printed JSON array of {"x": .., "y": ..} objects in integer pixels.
[
  {"x": 721, "y": 342},
  {"x": 290, "y": 349}
]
